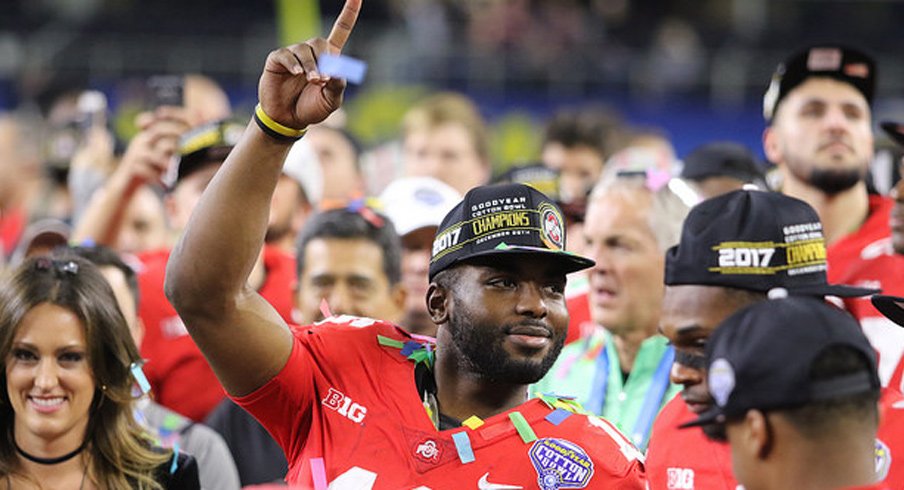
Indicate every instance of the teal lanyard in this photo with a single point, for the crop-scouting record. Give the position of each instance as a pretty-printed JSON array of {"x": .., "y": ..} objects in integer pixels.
[{"x": 651, "y": 403}]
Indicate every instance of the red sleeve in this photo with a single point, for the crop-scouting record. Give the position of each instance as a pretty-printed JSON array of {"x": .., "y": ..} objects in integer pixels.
[{"x": 284, "y": 404}]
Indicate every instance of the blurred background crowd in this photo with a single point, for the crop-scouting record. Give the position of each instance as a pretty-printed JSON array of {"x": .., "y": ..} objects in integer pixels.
[{"x": 695, "y": 68}]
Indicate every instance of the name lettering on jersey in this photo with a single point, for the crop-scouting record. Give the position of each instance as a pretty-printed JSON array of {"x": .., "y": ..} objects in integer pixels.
[
  {"x": 428, "y": 451},
  {"x": 627, "y": 448},
  {"x": 344, "y": 405},
  {"x": 348, "y": 320},
  {"x": 680, "y": 479},
  {"x": 560, "y": 464}
]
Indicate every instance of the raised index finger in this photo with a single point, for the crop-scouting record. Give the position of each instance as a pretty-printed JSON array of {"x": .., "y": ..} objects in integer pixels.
[{"x": 343, "y": 26}]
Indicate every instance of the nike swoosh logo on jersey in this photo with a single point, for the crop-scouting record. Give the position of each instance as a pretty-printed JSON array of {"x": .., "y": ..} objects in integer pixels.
[{"x": 484, "y": 484}]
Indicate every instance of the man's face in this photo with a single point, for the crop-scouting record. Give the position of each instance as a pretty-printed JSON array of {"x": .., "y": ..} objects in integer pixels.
[
  {"x": 579, "y": 168},
  {"x": 185, "y": 196},
  {"x": 447, "y": 153},
  {"x": 348, "y": 274},
  {"x": 339, "y": 163},
  {"x": 897, "y": 215},
  {"x": 822, "y": 135},
  {"x": 144, "y": 226},
  {"x": 690, "y": 314},
  {"x": 416, "y": 248},
  {"x": 626, "y": 282},
  {"x": 507, "y": 319},
  {"x": 287, "y": 212}
]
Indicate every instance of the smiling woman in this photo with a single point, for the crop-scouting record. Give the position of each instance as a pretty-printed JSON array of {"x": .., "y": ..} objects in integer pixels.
[{"x": 67, "y": 406}]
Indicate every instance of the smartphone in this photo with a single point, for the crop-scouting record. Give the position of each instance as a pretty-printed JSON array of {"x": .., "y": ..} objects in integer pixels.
[{"x": 165, "y": 90}]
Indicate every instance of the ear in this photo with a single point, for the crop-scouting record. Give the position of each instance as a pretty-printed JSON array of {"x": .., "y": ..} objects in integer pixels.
[
  {"x": 438, "y": 299},
  {"x": 772, "y": 145},
  {"x": 759, "y": 434}
]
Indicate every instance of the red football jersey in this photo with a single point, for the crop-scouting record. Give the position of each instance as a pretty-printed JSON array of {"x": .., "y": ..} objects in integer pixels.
[
  {"x": 346, "y": 411},
  {"x": 180, "y": 377},
  {"x": 865, "y": 258},
  {"x": 684, "y": 459}
]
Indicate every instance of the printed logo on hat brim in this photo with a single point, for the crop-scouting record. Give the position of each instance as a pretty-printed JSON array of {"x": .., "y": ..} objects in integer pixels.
[
  {"x": 890, "y": 306},
  {"x": 568, "y": 261}
]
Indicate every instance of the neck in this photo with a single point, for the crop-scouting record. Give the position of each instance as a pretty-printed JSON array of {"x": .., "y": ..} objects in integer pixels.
[
  {"x": 842, "y": 461},
  {"x": 462, "y": 394},
  {"x": 626, "y": 346},
  {"x": 840, "y": 214}
]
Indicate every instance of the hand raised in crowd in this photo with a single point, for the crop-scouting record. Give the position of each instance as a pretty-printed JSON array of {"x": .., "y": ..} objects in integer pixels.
[
  {"x": 150, "y": 152},
  {"x": 298, "y": 101}
]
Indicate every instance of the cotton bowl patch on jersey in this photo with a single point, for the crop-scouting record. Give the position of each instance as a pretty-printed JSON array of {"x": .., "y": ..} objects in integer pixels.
[{"x": 560, "y": 464}]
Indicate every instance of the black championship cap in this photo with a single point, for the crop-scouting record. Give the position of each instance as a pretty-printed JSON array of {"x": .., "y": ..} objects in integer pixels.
[
  {"x": 894, "y": 130},
  {"x": 754, "y": 240},
  {"x": 503, "y": 219},
  {"x": 838, "y": 62},
  {"x": 206, "y": 144},
  {"x": 761, "y": 357},
  {"x": 722, "y": 159}
]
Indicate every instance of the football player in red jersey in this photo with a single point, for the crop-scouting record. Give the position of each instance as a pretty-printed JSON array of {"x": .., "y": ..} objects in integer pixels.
[
  {"x": 360, "y": 402},
  {"x": 733, "y": 249}
]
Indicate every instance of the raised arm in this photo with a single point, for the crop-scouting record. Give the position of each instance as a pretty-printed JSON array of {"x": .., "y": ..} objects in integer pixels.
[
  {"x": 146, "y": 160},
  {"x": 243, "y": 338}
]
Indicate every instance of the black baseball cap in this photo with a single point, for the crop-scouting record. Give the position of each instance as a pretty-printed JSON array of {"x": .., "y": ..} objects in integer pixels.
[
  {"x": 503, "y": 219},
  {"x": 894, "y": 130},
  {"x": 834, "y": 61},
  {"x": 204, "y": 145},
  {"x": 722, "y": 159},
  {"x": 754, "y": 240},
  {"x": 761, "y": 358}
]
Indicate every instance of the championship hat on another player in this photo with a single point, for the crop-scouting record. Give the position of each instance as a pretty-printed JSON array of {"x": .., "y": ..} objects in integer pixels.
[
  {"x": 754, "y": 240},
  {"x": 206, "y": 144},
  {"x": 503, "y": 219},
  {"x": 761, "y": 358},
  {"x": 838, "y": 62}
]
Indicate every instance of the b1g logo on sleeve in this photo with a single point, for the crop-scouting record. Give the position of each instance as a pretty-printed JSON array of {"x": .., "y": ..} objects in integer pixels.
[
  {"x": 344, "y": 405},
  {"x": 560, "y": 464}
]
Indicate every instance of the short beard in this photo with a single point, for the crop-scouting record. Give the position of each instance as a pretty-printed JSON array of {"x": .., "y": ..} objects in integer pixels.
[
  {"x": 479, "y": 351},
  {"x": 833, "y": 182}
]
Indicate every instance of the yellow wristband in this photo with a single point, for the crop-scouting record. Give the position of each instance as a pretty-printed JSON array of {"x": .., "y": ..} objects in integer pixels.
[{"x": 276, "y": 127}]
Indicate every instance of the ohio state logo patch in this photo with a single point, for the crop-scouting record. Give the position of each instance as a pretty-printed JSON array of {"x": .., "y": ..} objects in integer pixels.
[
  {"x": 552, "y": 227},
  {"x": 428, "y": 451}
]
